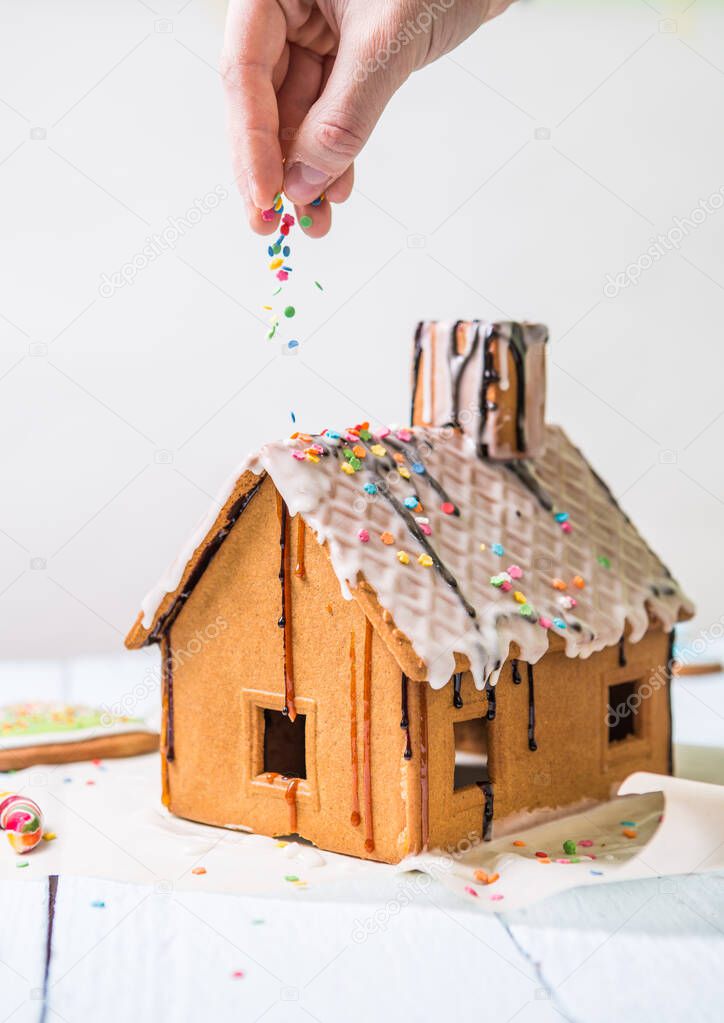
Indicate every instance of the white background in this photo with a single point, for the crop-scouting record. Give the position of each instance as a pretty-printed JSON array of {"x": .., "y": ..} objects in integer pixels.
[{"x": 508, "y": 179}]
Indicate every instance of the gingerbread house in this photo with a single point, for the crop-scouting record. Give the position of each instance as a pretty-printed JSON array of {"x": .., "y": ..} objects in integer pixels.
[{"x": 387, "y": 640}]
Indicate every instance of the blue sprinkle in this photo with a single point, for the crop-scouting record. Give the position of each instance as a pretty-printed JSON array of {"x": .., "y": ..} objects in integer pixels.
[
  {"x": 288, "y": 268},
  {"x": 411, "y": 502},
  {"x": 294, "y": 418},
  {"x": 628, "y": 824},
  {"x": 559, "y": 623},
  {"x": 67, "y": 780},
  {"x": 561, "y": 516},
  {"x": 270, "y": 250},
  {"x": 98, "y": 904},
  {"x": 370, "y": 488},
  {"x": 597, "y": 873},
  {"x": 418, "y": 467},
  {"x": 285, "y": 251},
  {"x": 317, "y": 201},
  {"x": 497, "y": 548},
  {"x": 292, "y": 344},
  {"x": 333, "y": 434}
]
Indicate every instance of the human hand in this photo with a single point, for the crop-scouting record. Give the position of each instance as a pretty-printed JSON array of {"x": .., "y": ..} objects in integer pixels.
[{"x": 306, "y": 83}]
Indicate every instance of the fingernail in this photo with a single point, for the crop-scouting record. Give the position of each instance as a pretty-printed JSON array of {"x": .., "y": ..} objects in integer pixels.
[{"x": 303, "y": 183}]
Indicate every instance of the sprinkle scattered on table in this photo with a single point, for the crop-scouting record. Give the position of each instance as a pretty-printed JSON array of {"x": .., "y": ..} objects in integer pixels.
[
  {"x": 49, "y": 836},
  {"x": 98, "y": 904},
  {"x": 198, "y": 870}
]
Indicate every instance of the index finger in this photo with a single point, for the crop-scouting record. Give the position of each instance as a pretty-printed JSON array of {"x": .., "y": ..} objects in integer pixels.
[{"x": 254, "y": 46}]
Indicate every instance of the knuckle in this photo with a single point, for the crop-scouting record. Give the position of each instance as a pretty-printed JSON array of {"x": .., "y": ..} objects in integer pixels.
[{"x": 340, "y": 136}]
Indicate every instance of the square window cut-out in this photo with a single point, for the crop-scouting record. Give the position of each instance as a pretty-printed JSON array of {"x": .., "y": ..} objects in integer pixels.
[
  {"x": 471, "y": 752},
  {"x": 285, "y": 744},
  {"x": 623, "y": 711}
]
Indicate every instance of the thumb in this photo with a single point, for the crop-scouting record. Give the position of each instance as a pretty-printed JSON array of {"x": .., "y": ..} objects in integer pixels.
[{"x": 367, "y": 71}]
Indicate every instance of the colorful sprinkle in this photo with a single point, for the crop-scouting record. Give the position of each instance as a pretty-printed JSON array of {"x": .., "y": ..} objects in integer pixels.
[
  {"x": 411, "y": 502},
  {"x": 603, "y": 560},
  {"x": 370, "y": 488},
  {"x": 515, "y": 572},
  {"x": 497, "y": 548},
  {"x": 98, "y": 904},
  {"x": 418, "y": 467},
  {"x": 578, "y": 582},
  {"x": 291, "y": 877},
  {"x": 471, "y": 891},
  {"x": 199, "y": 870},
  {"x": 237, "y": 974},
  {"x": 403, "y": 557},
  {"x": 569, "y": 846},
  {"x": 566, "y": 527},
  {"x": 526, "y": 610},
  {"x": 519, "y": 597},
  {"x": 545, "y": 623},
  {"x": 293, "y": 344},
  {"x": 318, "y": 285},
  {"x": 363, "y": 536},
  {"x": 628, "y": 824},
  {"x": 558, "y": 584},
  {"x": 22, "y": 863},
  {"x": 347, "y": 468},
  {"x": 483, "y": 878},
  {"x": 305, "y": 221},
  {"x": 483, "y": 547},
  {"x": 542, "y": 855},
  {"x": 497, "y": 897},
  {"x": 629, "y": 832},
  {"x": 586, "y": 843},
  {"x": 49, "y": 836},
  {"x": 518, "y": 843},
  {"x": 387, "y": 538},
  {"x": 425, "y": 560},
  {"x": 559, "y": 623},
  {"x": 447, "y": 507},
  {"x": 404, "y": 472},
  {"x": 289, "y": 311},
  {"x": 561, "y": 516}
]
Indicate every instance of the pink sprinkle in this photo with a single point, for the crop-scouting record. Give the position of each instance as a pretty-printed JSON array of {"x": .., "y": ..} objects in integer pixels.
[
  {"x": 566, "y": 527},
  {"x": 471, "y": 891},
  {"x": 282, "y": 275},
  {"x": 288, "y": 219},
  {"x": 545, "y": 623},
  {"x": 267, "y": 215},
  {"x": 586, "y": 843},
  {"x": 404, "y": 435},
  {"x": 563, "y": 860},
  {"x": 515, "y": 572},
  {"x": 496, "y": 898},
  {"x": 505, "y": 586},
  {"x": 318, "y": 449},
  {"x": 448, "y": 507},
  {"x": 424, "y": 528},
  {"x": 299, "y": 455},
  {"x": 237, "y": 974},
  {"x": 363, "y": 535},
  {"x": 384, "y": 432}
]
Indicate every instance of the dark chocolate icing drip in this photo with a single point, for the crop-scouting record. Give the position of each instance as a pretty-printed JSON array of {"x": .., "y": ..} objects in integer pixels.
[
  {"x": 622, "y": 662},
  {"x": 416, "y": 367},
  {"x": 532, "y": 744},
  {"x": 405, "y": 719},
  {"x": 282, "y": 551},
  {"x": 517, "y": 350},
  {"x": 166, "y": 621},
  {"x": 492, "y": 703},
  {"x": 431, "y": 480},
  {"x": 515, "y": 671},
  {"x": 488, "y": 808},
  {"x": 489, "y": 376},
  {"x": 523, "y": 472},
  {"x": 457, "y": 683},
  {"x": 168, "y": 671}
]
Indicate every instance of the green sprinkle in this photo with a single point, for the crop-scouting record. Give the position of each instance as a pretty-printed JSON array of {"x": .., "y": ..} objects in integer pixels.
[
  {"x": 276, "y": 248},
  {"x": 603, "y": 560},
  {"x": 23, "y": 863},
  {"x": 291, "y": 877},
  {"x": 569, "y": 846},
  {"x": 289, "y": 311},
  {"x": 318, "y": 285},
  {"x": 365, "y": 435},
  {"x": 355, "y": 463},
  {"x": 278, "y": 290},
  {"x": 305, "y": 221}
]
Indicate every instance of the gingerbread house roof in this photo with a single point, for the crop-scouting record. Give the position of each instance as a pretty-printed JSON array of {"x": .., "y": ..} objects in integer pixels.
[{"x": 452, "y": 557}]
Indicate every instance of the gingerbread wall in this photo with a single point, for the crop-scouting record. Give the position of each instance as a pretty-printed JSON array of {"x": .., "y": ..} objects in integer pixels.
[
  {"x": 574, "y": 760},
  {"x": 218, "y": 690}
]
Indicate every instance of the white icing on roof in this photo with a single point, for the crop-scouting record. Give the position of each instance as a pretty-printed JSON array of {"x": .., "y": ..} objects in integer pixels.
[{"x": 623, "y": 579}]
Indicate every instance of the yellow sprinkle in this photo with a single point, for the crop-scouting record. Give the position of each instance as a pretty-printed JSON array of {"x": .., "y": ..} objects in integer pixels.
[
  {"x": 425, "y": 560},
  {"x": 519, "y": 597},
  {"x": 312, "y": 458},
  {"x": 378, "y": 450},
  {"x": 275, "y": 263},
  {"x": 483, "y": 547},
  {"x": 280, "y": 845},
  {"x": 346, "y": 467},
  {"x": 49, "y": 836},
  {"x": 404, "y": 472},
  {"x": 266, "y": 307},
  {"x": 403, "y": 558}
]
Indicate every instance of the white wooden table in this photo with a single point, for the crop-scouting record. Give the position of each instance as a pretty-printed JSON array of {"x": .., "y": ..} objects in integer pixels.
[{"x": 645, "y": 951}]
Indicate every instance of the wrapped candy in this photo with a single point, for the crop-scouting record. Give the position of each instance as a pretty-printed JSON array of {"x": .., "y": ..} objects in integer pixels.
[{"x": 22, "y": 818}]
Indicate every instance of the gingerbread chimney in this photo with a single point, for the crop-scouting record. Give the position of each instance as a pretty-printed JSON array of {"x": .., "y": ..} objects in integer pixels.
[{"x": 488, "y": 379}]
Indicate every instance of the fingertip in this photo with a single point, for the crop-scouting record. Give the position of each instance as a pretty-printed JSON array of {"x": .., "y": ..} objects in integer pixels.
[
  {"x": 320, "y": 219},
  {"x": 341, "y": 189}
]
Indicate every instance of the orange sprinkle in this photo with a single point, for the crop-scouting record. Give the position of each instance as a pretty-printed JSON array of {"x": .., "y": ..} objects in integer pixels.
[
  {"x": 387, "y": 538},
  {"x": 578, "y": 581},
  {"x": 359, "y": 452},
  {"x": 199, "y": 870},
  {"x": 519, "y": 842},
  {"x": 558, "y": 584},
  {"x": 398, "y": 456},
  {"x": 482, "y": 878},
  {"x": 629, "y": 832}
]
